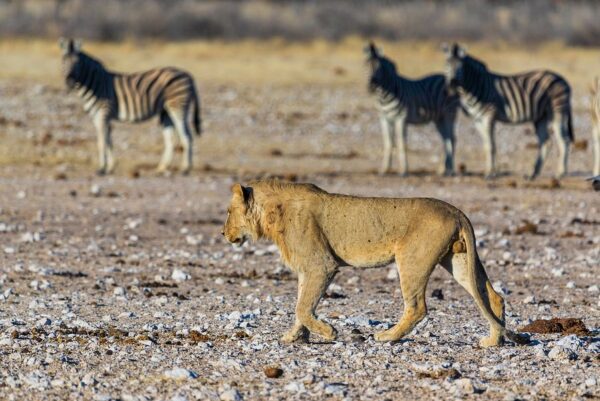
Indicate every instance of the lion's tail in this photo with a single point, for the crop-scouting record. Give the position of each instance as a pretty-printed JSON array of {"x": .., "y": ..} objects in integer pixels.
[{"x": 473, "y": 265}]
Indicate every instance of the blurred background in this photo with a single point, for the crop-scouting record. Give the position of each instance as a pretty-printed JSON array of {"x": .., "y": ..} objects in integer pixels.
[
  {"x": 284, "y": 80},
  {"x": 574, "y": 22}
]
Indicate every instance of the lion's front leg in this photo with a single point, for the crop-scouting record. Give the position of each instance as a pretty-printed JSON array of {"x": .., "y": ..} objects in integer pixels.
[
  {"x": 297, "y": 332},
  {"x": 311, "y": 287}
]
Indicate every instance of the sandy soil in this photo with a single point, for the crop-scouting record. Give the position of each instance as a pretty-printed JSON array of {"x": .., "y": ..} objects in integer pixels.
[{"x": 121, "y": 287}]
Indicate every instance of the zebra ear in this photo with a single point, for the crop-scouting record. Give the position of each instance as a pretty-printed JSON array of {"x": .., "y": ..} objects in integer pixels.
[
  {"x": 69, "y": 46},
  {"x": 64, "y": 44},
  {"x": 458, "y": 51},
  {"x": 371, "y": 50}
]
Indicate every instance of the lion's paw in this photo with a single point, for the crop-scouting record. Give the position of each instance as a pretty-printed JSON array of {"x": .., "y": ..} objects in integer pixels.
[
  {"x": 330, "y": 335},
  {"x": 294, "y": 335},
  {"x": 386, "y": 335},
  {"x": 290, "y": 337},
  {"x": 486, "y": 342}
]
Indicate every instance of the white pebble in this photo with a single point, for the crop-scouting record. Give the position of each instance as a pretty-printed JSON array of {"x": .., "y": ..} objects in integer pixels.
[{"x": 180, "y": 275}]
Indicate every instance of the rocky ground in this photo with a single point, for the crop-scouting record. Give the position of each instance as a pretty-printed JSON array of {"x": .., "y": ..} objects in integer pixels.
[{"x": 122, "y": 288}]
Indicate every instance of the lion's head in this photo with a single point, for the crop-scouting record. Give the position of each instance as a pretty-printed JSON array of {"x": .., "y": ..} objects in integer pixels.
[{"x": 240, "y": 224}]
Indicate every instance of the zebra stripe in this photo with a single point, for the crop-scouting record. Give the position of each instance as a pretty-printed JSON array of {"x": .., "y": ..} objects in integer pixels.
[
  {"x": 404, "y": 101},
  {"x": 168, "y": 92},
  {"x": 541, "y": 97}
]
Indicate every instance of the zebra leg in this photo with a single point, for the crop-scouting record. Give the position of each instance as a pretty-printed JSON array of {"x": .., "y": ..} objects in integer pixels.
[
  {"x": 186, "y": 139},
  {"x": 167, "y": 156},
  {"x": 103, "y": 138},
  {"x": 485, "y": 127},
  {"x": 169, "y": 137},
  {"x": 446, "y": 129},
  {"x": 401, "y": 141},
  {"x": 388, "y": 144},
  {"x": 596, "y": 140},
  {"x": 110, "y": 160},
  {"x": 560, "y": 131},
  {"x": 541, "y": 130}
]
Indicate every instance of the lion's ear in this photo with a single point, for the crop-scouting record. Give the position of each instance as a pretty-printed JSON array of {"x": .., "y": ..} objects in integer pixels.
[{"x": 244, "y": 193}]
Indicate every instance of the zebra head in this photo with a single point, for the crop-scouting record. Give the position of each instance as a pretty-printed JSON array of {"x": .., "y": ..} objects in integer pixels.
[
  {"x": 382, "y": 71},
  {"x": 455, "y": 60},
  {"x": 71, "y": 61}
]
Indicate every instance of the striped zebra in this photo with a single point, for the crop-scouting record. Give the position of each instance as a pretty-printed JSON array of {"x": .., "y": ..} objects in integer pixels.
[
  {"x": 167, "y": 92},
  {"x": 596, "y": 125},
  {"x": 540, "y": 97},
  {"x": 403, "y": 101}
]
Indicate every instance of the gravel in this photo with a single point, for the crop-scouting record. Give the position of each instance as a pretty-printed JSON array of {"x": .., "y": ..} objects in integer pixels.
[{"x": 121, "y": 288}]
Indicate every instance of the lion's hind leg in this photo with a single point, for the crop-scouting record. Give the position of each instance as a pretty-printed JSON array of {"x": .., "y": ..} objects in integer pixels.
[
  {"x": 456, "y": 264},
  {"x": 414, "y": 268}
]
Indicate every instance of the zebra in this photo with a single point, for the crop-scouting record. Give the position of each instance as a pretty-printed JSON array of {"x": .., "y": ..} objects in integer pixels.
[
  {"x": 596, "y": 126},
  {"x": 167, "y": 92},
  {"x": 540, "y": 97},
  {"x": 403, "y": 101}
]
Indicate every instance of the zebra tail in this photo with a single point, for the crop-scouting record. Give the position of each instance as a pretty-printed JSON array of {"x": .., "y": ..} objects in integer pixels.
[
  {"x": 197, "y": 120},
  {"x": 570, "y": 127}
]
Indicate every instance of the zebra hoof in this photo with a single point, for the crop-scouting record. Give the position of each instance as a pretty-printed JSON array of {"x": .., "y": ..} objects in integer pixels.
[
  {"x": 163, "y": 173},
  {"x": 101, "y": 172}
]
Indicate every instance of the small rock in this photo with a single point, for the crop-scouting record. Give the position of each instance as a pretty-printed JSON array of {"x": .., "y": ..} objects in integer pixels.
[
  {"x": 529, "y": 299},
  {"x": 180, "y": 374},
  {"x": 194, "y": 239},
  {"x": 465, "y": 385},
  {"x": 95, "y": 190},
  {"x": 437, "y": 294},
  {"x": 180, "y": 275},
  {"x": 561, "y": 353},
  {"x": 339, "y": 389},
  {"x": 294, "y": 387},
  {"x": 119, "y": 292},
  {"x": 230, "y": 395},
  {"x": 571, "y": 342},
  {"x": 392, "y": 273},
  {"x": 500, "y": 288},
  {"x": 30, "y": 237},
  {"x": 273, "y": 372},
  {"x": 362, "y": 321},
  {"x": 570, "y": 285},
  {"x": 593, "y": 288}
]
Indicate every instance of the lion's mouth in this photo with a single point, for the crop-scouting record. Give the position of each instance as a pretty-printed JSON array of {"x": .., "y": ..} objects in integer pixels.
[{"x": 238, "y": 242}]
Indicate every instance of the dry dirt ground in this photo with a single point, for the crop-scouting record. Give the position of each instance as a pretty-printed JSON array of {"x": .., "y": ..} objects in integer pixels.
[{"x": 121, "y": 287}]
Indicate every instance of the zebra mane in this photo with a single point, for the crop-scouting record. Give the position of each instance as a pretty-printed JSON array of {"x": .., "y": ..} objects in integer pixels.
[
  {"x": 91, "y": 62},
  {"x": 476, "y": 64}
]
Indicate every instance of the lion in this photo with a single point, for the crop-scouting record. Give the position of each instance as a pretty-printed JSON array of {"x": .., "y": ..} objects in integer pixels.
[{"x": 318, "y": 232}]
